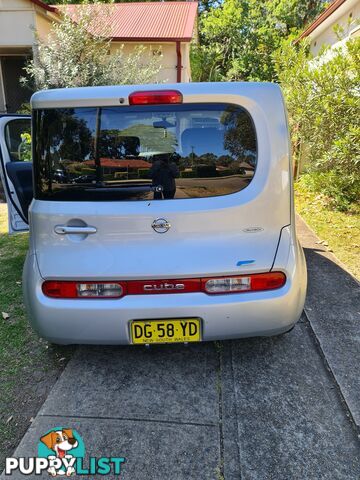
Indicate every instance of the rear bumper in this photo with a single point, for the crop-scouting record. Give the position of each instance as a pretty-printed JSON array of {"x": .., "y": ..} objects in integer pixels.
[{"x": 107, "y": 321}]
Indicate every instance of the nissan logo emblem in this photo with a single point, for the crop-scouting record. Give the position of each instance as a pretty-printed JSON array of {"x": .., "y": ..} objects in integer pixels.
[{"x": 160, "y": 225}]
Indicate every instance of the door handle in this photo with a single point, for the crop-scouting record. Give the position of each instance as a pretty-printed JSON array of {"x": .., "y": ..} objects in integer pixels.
[{"x": 66, "y": 230}]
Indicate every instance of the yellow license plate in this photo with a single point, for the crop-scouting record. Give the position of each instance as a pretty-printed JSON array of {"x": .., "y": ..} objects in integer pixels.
[{"x": 169, "y": 330}]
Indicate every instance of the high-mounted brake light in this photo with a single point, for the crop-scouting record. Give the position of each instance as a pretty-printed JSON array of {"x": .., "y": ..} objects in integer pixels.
[
  {"x": 155, "y": 97},
  {"x": 217, "y": 285}
]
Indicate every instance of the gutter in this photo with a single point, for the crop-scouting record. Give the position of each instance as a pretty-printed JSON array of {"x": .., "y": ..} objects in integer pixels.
[
  {"x": 43, "y": 5},
  {"x": 178, "y": 65},
  {"x": 321, "y": 18}
]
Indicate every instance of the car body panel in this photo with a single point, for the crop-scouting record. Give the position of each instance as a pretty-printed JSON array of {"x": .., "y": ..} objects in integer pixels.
[
  {"x": 223, "y": 316},
  {"x": 250, "y": 231},
  {"x": 207, "y": 235}
]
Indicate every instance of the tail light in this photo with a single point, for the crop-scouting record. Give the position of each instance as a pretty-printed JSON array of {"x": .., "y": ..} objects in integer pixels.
[
  {"x": 61, "y": 289},
  {"x": 217, "y": 285},
  {"x": 244, "y": 283},
  {"x": 155, "y": 97},
  {"x": 108, "y": 290},
  {"x": 228, "y": 285}
]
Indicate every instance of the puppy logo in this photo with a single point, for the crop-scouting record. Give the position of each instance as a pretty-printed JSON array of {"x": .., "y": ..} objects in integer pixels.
[{"x": 61, "y": 446}]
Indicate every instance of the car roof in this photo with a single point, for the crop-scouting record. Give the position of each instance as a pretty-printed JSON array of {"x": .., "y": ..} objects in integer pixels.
[{"x": 118, "y": 95}]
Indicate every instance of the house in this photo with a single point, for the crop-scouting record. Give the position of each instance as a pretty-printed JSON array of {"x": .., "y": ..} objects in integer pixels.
[
  {"x": 342, "y": 13},
  {"x": 165, "y": 28}
]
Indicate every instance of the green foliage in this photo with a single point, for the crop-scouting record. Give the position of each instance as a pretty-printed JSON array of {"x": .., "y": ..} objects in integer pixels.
[
  {"x": 323, "y": 101},
  {"x": 340, "y": 193},
  {"x": 341, "y": 230},
  {"x": 132, "y": 175},
  {"x": 204, "y": 171},
  {"x": 25, "y": 108},
  {"x": 25, "y": 147},
  {"x": 238, "y": 37},
  {"x": 187, "y": 174},
  {"x": 143, "y": 172},
  {"x": 203, "y": 4},
  {"x": 71, "y": 56},
  {"x": 88, "y": 171},
  {"x": 225, "y": 173},
  {"x": 121, "y": 175},
  {"x": 205, "y": 62}
]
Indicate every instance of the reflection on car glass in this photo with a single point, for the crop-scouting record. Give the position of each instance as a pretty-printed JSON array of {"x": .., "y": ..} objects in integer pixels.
[
  {"x": 195, "y": 150},
  {"x": 18, "y": 139}
]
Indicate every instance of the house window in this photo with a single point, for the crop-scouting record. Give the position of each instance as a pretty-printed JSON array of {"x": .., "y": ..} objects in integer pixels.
[{"x": 15, "y": 94}]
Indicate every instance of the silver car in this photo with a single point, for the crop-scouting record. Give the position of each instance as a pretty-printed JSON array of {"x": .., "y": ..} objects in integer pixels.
[{"x": 157, "y": 213}]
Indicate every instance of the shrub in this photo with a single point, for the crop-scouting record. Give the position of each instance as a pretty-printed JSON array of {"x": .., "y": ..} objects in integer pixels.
[
  {"x": 323, "y": 101},
  {"x": 187, "y": 174},
  {"x": 205, "y": 171},
  {"x": 76, "y": 54},
  {"x": 121, "y": 175},
  {"x": 132, "y": 175},
  {"x": 87, "y": 171},
  {"x": 108, "y": 176},
  {"x": 225, "y": 173},
  {"x": 143, "y": 172},
  {"x": 74, "y": 167},
  {"x": 339, "y": 192}
]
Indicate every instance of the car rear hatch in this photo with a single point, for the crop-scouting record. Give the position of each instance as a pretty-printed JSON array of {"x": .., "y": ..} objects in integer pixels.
[{"x": 197, "y": 187}]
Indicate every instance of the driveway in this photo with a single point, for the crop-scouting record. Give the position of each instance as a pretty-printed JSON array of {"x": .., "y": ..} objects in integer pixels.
[{"x": 265, "y": 408}]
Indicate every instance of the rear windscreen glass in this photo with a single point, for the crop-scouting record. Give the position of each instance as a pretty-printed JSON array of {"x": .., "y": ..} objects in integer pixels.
[{"x": 143, "y": 153}]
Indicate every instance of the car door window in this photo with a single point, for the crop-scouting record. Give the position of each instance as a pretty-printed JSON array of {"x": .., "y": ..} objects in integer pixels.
[{"x": 18, "y": 139}]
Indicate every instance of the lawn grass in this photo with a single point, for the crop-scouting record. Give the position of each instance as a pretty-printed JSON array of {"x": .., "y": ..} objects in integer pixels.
[
  {"x": 340, "y": 230},
  {"x": 29, "y": 366}
]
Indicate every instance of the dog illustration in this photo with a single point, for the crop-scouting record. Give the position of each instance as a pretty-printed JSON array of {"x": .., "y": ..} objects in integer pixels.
[{"x": 61, "y": 442}]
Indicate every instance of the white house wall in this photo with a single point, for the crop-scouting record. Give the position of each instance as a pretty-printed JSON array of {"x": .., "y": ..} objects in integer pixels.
[
  {"x": 16, "y": 27},
  {"x": 168, "y": 60},
  {"x": 185, "y": 55},
  {"x": 324, "y": 34}
]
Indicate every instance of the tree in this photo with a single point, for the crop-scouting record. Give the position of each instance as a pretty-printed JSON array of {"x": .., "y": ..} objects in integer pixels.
[
  {"x": 239, "y": 37},
  {"x": 204, "y": 5},
  {"x": 322, "y": 96},
  {"x": 77, "y": 53}
]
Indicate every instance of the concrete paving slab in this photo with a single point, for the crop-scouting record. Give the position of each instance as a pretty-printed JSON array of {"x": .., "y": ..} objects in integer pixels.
[
  {"x": 153, "y": 450},
  {"x": 333, "y": 309},
  {"x": 229, "y": 429},
  {"x": 167, "y": 382},
  {"x": 291, "y": 423},
  {"x": 279, "y": 408}
]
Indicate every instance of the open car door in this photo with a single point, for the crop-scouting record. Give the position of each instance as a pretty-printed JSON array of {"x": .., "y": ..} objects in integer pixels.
[{"x": 16, "y": 168}]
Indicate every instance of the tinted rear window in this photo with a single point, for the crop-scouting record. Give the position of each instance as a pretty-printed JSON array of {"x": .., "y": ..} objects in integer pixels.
[{"x": 143, "y": 153}]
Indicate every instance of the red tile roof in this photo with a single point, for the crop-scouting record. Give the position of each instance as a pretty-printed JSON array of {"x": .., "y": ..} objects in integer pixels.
[
  {"x": 115, "y": 163},
  {"x": 146, "y": 21},
  {"x": 322, "y": 17}
]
